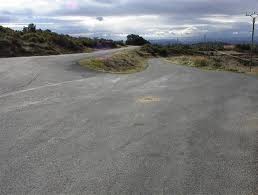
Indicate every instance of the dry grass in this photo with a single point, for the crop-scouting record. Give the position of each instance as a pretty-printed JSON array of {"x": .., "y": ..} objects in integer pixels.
[
  {"x": 122, "y": 62},
  {"x": 222, "y": 63},
  {"x": 194, "y": 61}
]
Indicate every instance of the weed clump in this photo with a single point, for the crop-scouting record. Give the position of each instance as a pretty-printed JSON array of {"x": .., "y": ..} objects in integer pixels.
[{"x": 122, "y": 62}]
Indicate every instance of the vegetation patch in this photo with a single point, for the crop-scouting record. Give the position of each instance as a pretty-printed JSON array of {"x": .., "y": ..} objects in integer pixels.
[
  {"x": 194, "y": 61},
  {"x": 211, "y": 63},
  {"x": 136, "y": 40},
  {"x": 122, "y": 62},
  {"x": 31, "y": 41},
  {"x": 178, "y": 49},
  {"x": 209, "y": 56}
]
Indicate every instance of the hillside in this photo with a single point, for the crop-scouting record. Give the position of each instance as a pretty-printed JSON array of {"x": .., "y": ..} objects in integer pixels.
[{"x": 32, "y": 41}]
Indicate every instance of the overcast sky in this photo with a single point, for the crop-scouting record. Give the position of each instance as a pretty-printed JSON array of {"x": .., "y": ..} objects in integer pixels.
[{"x": 117, "y": 18}]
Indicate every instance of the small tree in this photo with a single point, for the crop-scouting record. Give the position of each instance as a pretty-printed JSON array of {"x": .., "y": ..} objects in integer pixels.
[
  {"x": 30, "y": 29},
  {"x": 136, "y": 40},
  {"x": 25, "y": 29}
]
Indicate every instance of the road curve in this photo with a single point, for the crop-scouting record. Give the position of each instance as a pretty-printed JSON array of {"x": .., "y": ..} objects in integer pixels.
[{"x": 167, "y": 130}]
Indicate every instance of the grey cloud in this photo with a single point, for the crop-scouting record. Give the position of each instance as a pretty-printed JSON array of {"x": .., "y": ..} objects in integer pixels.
[
  {"x": 175, "y": 13},
  {"x": 5, "y": 19},
  {"x": 99, "y": 18},
  {"x": 162, "y": 7}
]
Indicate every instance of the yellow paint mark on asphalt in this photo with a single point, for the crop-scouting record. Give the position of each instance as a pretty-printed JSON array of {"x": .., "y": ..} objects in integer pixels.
[{"x": 148, "y": 99}]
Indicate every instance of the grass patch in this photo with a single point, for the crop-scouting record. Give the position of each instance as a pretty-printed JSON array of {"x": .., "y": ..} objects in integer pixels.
[
  {"x": 196, "y": 55},
  {"x": 194, "y": 61},
  {"x": 124, "y": 62},
  {"x": 220, "y": 63}
]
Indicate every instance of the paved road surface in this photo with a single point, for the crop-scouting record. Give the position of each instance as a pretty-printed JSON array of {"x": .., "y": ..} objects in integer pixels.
[{"x": 167, "y": 130}]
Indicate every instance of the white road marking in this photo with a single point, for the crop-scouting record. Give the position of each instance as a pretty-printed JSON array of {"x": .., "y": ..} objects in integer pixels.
[
  {"x": 41, "y": 87},
  {"x": 116, "y": 80}
]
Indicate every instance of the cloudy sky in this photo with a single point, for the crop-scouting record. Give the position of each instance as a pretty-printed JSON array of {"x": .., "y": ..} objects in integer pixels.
[{"x": 116, "y": 18}]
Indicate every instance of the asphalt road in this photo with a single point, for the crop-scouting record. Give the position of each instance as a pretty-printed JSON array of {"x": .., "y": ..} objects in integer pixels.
[{"x": 167, "y": 130}]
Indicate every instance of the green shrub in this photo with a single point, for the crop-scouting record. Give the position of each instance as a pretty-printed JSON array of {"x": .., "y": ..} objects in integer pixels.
[
  {"x": 34, "y": 41},
  {"x": 30, "y": 29},
  {"x": 156, "y": 50},
  {"x": 5, "y": 43},
  {"x": 33, "y": 37},
  {"x": 243, "y": 47},
  {"x": 163, "y": 52},
  {"x": 135, "y": 40},
  {"x": 120, "y": 43}
]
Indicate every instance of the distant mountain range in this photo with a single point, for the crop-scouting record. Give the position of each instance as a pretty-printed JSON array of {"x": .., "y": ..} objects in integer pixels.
[{"x": 193, "y": 40}]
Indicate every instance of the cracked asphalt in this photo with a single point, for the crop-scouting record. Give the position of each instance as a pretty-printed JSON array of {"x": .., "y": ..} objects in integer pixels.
[{"x": 168, "y": 130}]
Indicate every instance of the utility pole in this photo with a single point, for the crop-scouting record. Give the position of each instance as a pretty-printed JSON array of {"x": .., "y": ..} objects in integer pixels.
[
  {"x": 253, "y": 16},
  {"x": 206, "y": 43}
]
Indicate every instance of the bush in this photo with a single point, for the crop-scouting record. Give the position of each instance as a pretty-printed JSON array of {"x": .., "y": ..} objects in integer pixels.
[
  {"x": 135, "y": 40},
  {"x": 33, "y": 37},
  {"x": 200, "y": 61},
  {"x": 65, "y": 42},
  {"x": 120, "y": 43},
  {"x": 30, "y": 29},
  {"x": 32, "y": 41},
  {"x": 123, "y": 62},
  {"x": 242, "y": 47},
  {"x": 87, "y": 42},
  {"x": 163, "y": 52},
  {"x": 156, "y": 50}
]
